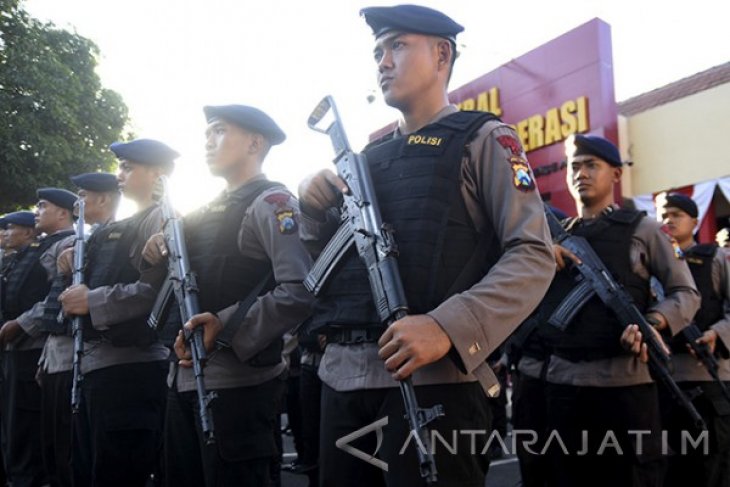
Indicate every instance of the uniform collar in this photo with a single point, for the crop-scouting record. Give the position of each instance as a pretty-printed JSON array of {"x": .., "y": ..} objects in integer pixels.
[
  {"x": 445, "y": 111},
  {"x": 239, "y": 189}
]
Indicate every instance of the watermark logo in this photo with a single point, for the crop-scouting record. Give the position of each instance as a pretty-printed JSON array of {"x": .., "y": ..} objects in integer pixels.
[{"x": 344, "y": 443}]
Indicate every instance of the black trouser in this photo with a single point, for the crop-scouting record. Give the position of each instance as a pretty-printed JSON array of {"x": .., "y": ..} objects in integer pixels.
[
  {"x": 529, "y": 417},
  {"x": 21, "y": 419},
  {"x": 708, "y": 463},
  {"x": 118, "y": 431},
  {"x": 587, "y": 418},
  {"x": 310, "y": 388},
  {"x": 56, "y": 427},
  {"x": 244, "y": 419},
  {"x": 343, "y": 413}
]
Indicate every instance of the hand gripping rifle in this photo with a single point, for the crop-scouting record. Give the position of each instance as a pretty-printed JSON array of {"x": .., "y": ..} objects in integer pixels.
[
  {"x": 690, "y": 334},
  {"x": 363, "y": 226},
  {"x": 596, "y": 280},
  {"x": 181, "y": 283},
  {"x": 77, "y": 322}
]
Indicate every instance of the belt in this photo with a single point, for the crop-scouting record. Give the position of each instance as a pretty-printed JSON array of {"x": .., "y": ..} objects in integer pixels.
[{"x": 352, "y": 336}]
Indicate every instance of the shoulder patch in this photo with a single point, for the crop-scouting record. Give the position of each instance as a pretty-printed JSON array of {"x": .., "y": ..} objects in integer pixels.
[
  {"x": 277, "y": 199},
  {"x": 521, "y": 174},
  {"x": 511, "y": 144},
  {"x": 286, "y": 220}
]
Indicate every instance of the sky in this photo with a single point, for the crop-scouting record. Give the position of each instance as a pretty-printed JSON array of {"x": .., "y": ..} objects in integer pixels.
[{"x": 169, "y": 58}]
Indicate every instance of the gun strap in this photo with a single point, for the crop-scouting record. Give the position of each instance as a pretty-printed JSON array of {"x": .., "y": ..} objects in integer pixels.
[
  {"x": 328, "y": 259},
  {"x": 230, "y": 327}
]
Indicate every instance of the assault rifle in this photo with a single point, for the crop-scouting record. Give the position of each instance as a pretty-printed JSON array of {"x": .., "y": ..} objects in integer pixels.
[
  {"x": 690, "y": 334},
  {"x": 596, "y": 280},
  {"x": 77, "y": 322},
  {"x": 181, "y": 283},
  {"x": 363, "y": 226}
]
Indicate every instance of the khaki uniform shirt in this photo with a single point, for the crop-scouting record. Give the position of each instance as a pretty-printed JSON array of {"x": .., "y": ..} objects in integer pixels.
[
  {"x": 30, "y": 320},
  {"x": 109, "y": 305},
  {"x": 686, "y": 367},
  {"x": 651, "y": 254},
  {"x": 479, "y": 319},
  {"x": 261, "y": 236}
]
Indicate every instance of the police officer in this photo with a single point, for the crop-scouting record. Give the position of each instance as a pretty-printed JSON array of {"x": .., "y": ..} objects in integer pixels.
[
  {"x": 595, "y": 389},
  {"x": 100, "y": 193},
  {"x": 245, "y": 249},
  {"x": 710, "y": 267},
  {"x": 474, "y": 256},
  {"x": 26, "y": 286},
  {"x": 117, "y": 435}
]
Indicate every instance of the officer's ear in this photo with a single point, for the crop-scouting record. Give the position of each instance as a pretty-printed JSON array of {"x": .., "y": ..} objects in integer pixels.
[
  {"x": 258, "y": 146},
  {"x": 617, "y": 172}
]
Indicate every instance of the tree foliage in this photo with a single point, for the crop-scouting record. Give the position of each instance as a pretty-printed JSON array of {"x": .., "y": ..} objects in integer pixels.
[{"x": 56, "y": 119}]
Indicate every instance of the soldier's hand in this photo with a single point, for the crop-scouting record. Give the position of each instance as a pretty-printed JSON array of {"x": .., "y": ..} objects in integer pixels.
[
  {"x": 708, "y": 338},
  {"x": 563, "y": 255},
  {"x": 10, "y": 331},
  {"x": 75, "y": 300},
  {"x": 321, "y": 191},
  {"x": 65, "y": 262},
  {"x": 155, "y": 250},
  {"x": 412, "y": 342},
  {"x": 212, "y": 326},
  {"x": 632, "y": 340}
]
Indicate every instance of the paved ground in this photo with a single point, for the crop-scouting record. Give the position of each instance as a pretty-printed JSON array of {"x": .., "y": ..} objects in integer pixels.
[{"x": 502, "y": 473}]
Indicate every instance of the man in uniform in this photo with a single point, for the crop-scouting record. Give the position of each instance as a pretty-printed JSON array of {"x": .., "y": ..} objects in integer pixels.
[
  {"x": 245, "y": 249},
  {"x": 26, "y": 286},
  {"x": 710, "y": 267},
  {"x": 474, "y": 255},
  {"x": 595, "y": 389},
  {"x": 100, "y": 193},
  {"x": 118, "y": 432}
]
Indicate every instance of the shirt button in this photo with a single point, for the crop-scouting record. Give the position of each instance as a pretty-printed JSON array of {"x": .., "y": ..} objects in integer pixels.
[{"x": 474, "y": 348}]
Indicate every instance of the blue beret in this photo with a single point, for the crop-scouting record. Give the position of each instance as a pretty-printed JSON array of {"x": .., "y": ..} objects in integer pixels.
[
  {"x": 23, "y": 218},
  {"x": 594, "y": 145},
  {"x": 100, "y": 182},
  {"x": 684, "y": 203},
  {"x": 249, "y": 118},
  {"x": 59, "y": 197},
  {"x": 410, "y": 18},
  {"x": 3, "y": 223},
  {"x": 145, "y": 151}
]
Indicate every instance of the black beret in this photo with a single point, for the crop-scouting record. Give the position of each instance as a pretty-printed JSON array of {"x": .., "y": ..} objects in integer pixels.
[
  {"x": 100, "y": 182},
  {"x": 684, "y": 203},
  {"x": 410, "y": 18},
  {"x": 22, "y": 218},
  {"x": 145, "y": 151},
  {"x": 249, "y": 118},
  {"x": 59, "y": 197},
  {"x": 597, "y": 146}
]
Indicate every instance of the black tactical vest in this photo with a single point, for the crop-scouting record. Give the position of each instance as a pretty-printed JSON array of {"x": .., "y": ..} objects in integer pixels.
[
  {"x": 53, "y": 309},
  {"x": 224, "y": 276},
  {"x": 699, "y": 259},
  {"x": 25, "y": 281},
  {"x": 417, "y": 184},
  {"x": 594, "y": 333},
  {"x": 108, "y": 263}
]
